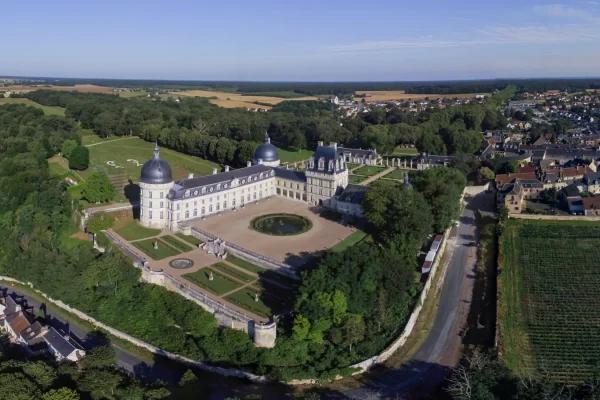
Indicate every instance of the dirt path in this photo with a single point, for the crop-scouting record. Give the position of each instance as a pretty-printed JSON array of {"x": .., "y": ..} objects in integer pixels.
[{"x": 110, "y": 141}]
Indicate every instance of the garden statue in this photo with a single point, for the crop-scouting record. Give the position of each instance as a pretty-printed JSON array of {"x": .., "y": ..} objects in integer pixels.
[
  {"x": 210, "y": 276},
  {"x": 156, "y": 245},
  {"x": 256, "y": 297}
]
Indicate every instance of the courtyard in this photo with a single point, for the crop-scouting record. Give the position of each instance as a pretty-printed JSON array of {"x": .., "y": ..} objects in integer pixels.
[{"x": 234, "y": 227}]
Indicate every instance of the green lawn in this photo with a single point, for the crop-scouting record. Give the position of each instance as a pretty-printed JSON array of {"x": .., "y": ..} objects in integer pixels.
[
  {"x": 262, "y": 272},
  {"x": 351, "y": 240},
  {"x": 128, "y": 156},
  {"x": 244, "y": 264},
  {"x": 46, "y": 109},
  {"x": 356, "y": 179},
  {"x": 219, "y": 285},
  {"x": 61, "y": 172},
  {"x": 163, "y": 251},
  {"x": 352, "y": 166},
  {"x": 178, "y": 244},
  {"x": 245, "y": 298},
  {"x": 404, "y": 152},
  {"x": 396, "y": 174},
  {"x": 233, "y": 272},
  {"x": 369, "y": 170},
  {"x": 190, "y": 239},
  {"x": 137, "y": 93},
  {"x": 134, "y": 231},
  {"x": 294, "y": 156}
]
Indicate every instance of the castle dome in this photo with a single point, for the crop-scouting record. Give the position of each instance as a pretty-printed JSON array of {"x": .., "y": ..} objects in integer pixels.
[
  {"x": 156, "y": 171},
  {"x": 266, "y": 152}
]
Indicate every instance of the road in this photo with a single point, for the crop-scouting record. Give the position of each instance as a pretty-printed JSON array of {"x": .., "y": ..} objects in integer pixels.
[{"x": 442, "y": 347}]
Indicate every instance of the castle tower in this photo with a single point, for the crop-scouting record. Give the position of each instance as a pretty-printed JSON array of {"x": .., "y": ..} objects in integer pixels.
[
  {"x": 266, "y": 153},
  {"x": 155, "y": 181},
  {"x": 325, "y": 173}
]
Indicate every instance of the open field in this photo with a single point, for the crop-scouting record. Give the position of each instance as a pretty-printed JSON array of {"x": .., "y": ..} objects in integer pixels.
[
  {"x": 548, "y": 291},
  {"x": 133, "y": 94},
  {"x": 369, "y": 170},
  {"x": 46, "y": 109},
  {"x": 219, "y": 285},
  {"x": 163, "y": 250},
  {"x": 294, "y": 156},
  {"x": 385, "y": 95},
  {"x": 78, "y": 88},
  {"x": 131, "y": 230},
  {"x": 231, "y": 100},
  {"x": 128, "y": 155}
]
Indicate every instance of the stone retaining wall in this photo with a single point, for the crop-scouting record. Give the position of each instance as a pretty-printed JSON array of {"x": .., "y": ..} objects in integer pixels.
[{"x": 121, "y": 335}]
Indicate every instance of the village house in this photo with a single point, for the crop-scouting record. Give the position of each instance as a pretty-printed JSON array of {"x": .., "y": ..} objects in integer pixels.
[{"x": 591, "y": 206}]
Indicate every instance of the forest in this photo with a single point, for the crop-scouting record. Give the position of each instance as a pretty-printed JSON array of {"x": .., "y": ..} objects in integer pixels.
[{"x": 334, "y": 323}]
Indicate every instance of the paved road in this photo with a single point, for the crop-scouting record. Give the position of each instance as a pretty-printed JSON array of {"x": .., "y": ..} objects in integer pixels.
[{"x": 441, "y": 349}]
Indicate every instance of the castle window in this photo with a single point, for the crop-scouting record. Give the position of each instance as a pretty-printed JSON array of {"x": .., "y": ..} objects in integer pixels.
[
  {"x": 312, "y": 163},
  {"x": 162, "y": 204},
  {"x": 178, "y": 206},
  {"x": 218, "y": 206},
  {"x": 210, "y": 190},
  {"x": 203, "y": 211},
  {"x": 195, "y": 193},
  {"x": 219, "y": 186},
  {"x": 224, "y": 205},
  {"x": 187, "y": 214},
  {"x": 161, "y": 195},
  {"x": 161, "y": 215},
  {"x": 330, "y": 165},
  {"x": 210, "y": 208},
  {"x": 195, "y": 212},
  {"x": 203, "y": 190},
  {"x": 321, "y": 163},
  {"x": 150, "y": 215},
  {"x": 225, "y": 186},
  {"x": 150, "y": 194},
  {"x": 150, "y": 204}
]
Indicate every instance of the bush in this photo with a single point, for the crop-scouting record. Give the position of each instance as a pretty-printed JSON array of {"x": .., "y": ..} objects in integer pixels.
[
  {"x": 79, "y": 158},
  {"x": 100, "y": 221}
]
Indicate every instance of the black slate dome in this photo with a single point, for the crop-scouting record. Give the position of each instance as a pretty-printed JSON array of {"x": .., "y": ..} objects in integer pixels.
[
  {"x": 266, "y": 152},
  {"x": 156, "y": 171}
]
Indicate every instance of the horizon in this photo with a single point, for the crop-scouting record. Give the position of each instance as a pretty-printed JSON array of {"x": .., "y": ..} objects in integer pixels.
[{"x": 309, "y": 42}]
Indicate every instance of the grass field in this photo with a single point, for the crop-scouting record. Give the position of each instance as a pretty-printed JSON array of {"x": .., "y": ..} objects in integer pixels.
[
  {"x": 284, "y": 95},
  {"x": 396, "y": 174},
  {"x": 231, "y": 100},
  {"x": 356, "y": 179},
  {"x": 176, "y": 243},
  {"x": 128, "y": 156},
  {"x": 163, "y": 251},
  {"x": 234, "y": 273},
  {"x": 133, "y": 231},
  {"x": 190, "y": 239},
  {"x": 351, "y": 240},
  {"x": 245, "y": 298},
  {"x": 78, "y": 88},
  {"x": 133, "y": 94},
  {"x": 219, "y": 285},
  {"x": 548, "y": 291},
  {"x": 244, "y": 264},
  {"x": 294, "y": 156},
  {"x": 369, "y": 170},
  {"x": 46, "y": 109},
  {"x": 385, "y": 95},
  {"x": 262, "y": 272},
  {"x": 400, "y": 151}
]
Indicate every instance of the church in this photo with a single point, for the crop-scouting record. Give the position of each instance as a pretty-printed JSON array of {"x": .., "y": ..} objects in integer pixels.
[{"x": 165, "y": 203}]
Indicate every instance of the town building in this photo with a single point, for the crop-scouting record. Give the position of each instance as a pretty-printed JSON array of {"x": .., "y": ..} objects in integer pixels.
[{"x": 165, "y": 203}]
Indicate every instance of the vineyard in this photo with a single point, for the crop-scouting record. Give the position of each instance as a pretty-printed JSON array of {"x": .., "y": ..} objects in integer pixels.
[{"x": 549, "y": 299}]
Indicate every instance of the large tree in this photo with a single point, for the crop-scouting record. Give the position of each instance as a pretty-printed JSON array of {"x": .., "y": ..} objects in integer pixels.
[
  {"x": 98, "y": 189},
  {"x": 79, "y": 158}
]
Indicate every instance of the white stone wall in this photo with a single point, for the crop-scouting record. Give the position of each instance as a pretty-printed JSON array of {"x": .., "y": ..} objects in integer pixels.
[
  {"x": 154, "y": 204},
  {"x": 322, "y": 186},
  {"x": 290, "y": 189}
]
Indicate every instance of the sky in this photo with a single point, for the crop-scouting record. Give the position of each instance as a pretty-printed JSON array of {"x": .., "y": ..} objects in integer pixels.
[{"x": 300, "y": 40}]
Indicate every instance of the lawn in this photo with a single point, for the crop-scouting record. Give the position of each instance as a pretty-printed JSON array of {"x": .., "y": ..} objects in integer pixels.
[
  {"x": 349, "y": 241},
  {"x": 163, "y": 251},
  {"x": 178, "y": 244},
  {"x": 548, "y": 291},
  {"x": 369, "y": 170},
  {"x": 294, "y": 156},
  {"x": 190, "y": 239},
  {"x": 134, "y": 231},
  {"x": 262, "y": 272},
  {"x": 404, "y": 152},
  {"x": 219, "y": 285},
  {"x": 352, "y": 166},
  {"x": 46, "y": 109},
  {"x": 245, "y": 298},
  {"x": 233, "y": 272},
  {"x": 396, "y": 174},
  {"x": 356, "y": 179},
  {"x": 127, "y": 155},
  {"x": 244, "y": 264}
]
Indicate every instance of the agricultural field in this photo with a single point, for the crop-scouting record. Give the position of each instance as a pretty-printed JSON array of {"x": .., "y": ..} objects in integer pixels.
[
  {"x": 46, "y": 109},
  {"x": 78, "y": 88},
  {"x": 548, "y": 290},
  {"x": 137, "y": 93},
  {"x": 127, "y": 155},
  {"x": 369, "y": 170},
  {"x": 385, "y": 95},
  {"x": 232, "y": 100}
]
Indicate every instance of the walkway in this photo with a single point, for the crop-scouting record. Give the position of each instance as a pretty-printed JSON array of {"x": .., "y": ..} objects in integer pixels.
[
  {"x": 114, "y": 207},
  {"x": 110, "y": 141},
  {"x": 379, "y": 175}
]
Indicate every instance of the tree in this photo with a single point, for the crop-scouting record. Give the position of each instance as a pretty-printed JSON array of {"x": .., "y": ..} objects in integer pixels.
[
  {"x": 61, "y": 394},
  {"x": 549, "y": 196},
  {"x": 486, "y": 174},
  {"x": 301, "y": 327},
  {"x": 79, "y": 158},
  {"x": 353, "y": 330},
  {"x": 100, "y": 357},
  {"x": 98, "y": 188},
  {"x": 67, "y": 148},
  {"x": 99, "y": 221},
  {"x": 501, "y": 213}
]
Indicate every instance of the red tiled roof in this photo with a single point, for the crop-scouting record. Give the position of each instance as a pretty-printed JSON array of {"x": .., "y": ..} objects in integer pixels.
[
  {"x": 524, "y": 170},
  {"x": 503, "y": 179},
  {"x": 591, "y": 203}
]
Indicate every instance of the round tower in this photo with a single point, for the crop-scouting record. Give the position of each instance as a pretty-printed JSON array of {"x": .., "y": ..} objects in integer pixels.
[
  {"x": 155, "y": 181},
  {"x": 266, "y": 154}
]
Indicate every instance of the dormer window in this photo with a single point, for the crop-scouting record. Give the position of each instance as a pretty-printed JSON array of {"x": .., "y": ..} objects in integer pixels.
[
  {"x": 219, "y": 186},
  {"x": 321, "y": 163},
  {"x": 312, "y": 163},
  {"x": 187, "y": 193},
  {"x": 204, "y": 190},
  {"x": 330, "y": 165}
]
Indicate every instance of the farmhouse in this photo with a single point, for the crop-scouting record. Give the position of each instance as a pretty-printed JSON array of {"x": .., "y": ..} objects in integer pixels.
[{"x": 165, "y": 203}]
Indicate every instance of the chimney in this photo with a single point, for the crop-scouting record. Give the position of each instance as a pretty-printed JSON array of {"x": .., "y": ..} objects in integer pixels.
[
  {"x": 190, "y": 175},
  {"x": 333, "y": 144},
  {"x": 214, "y": 171},
  {"x": 320, "y": 143},
  {"x": 227, "y": 168},
  {"x": 249, "y": 163},
  {"x": 260, "y": 161}
]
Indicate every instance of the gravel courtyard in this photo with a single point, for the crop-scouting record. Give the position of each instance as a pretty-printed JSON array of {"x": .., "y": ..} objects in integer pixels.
[{"x": 234, "y": 227}]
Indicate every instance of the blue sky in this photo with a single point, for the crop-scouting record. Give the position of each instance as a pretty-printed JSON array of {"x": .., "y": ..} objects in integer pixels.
[{"x": 300, "y": 40}]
